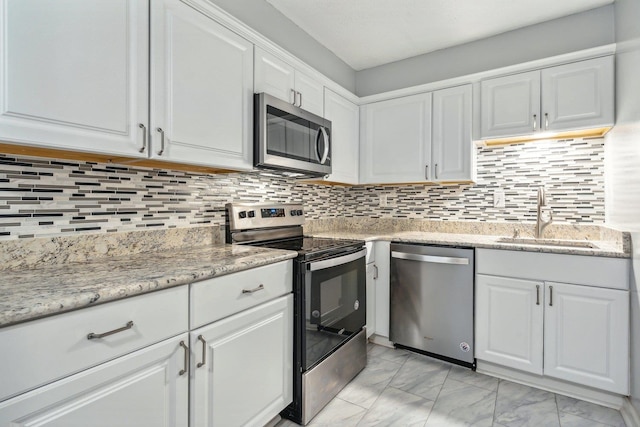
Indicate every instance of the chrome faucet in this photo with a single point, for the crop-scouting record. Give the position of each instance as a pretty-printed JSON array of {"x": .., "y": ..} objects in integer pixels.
[{"x": 540, "y": 223}]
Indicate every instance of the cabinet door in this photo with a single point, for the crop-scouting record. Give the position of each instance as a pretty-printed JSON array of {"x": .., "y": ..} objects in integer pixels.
[
  {"x": 452, "y": 149},
  {"x": 202, "y": 88},
  {"x": 509, "y": 316},
  {"x": 144, "y": 388},
  {"x": 345, "y": 137},
  {"x": 382, "y": 257},
  {"x": 371, "y": 298},
  {"x": 310, "y": 94},
  {"x": 274, "y": 76},
  {"x": 578, "y": 95},
  {"x": 74, "y": 74},
  {"x": 396, "y": 140},
  {"x": 510, "y": 105},
  {"x": 242, "y": 370},
  {"x": 586, "y": 336}
]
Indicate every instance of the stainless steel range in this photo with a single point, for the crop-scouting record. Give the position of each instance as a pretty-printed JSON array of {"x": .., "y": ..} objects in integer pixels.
[{"x": 329, "y": 301}]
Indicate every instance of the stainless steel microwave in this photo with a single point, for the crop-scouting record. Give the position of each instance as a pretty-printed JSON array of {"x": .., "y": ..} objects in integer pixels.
[{"x": 289, "y": 138}]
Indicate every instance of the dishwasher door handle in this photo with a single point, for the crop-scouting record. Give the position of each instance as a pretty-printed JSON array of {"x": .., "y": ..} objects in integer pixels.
[{"x": 430, "y": 258}]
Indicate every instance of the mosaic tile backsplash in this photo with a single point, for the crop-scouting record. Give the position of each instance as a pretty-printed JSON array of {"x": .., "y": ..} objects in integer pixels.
[{"x": 43, "y": 197}]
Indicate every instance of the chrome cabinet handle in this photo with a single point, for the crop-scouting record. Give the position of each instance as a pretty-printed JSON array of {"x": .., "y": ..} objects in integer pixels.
[
  {"x": 186, "y": 359},
  {"x": 546, "y": 121},
  {"x": 161, "y": 141},
  {"x": 535, "y": 122},
  {"x": 144, "y": 137},
  {"x": 550, "y": 296},
  {"x": 426, "y": 172},
  {"x": 375, "y": 275},
  {"x": 537, "y": 294},
  {"x": 293, "y": 92},
  {"x": 204, "y": 352},
  {"x": 92, "y": 335},
  {"x": 250, "y": 291},
  {"x": 300, "y": 100},
  {"x": 436, "y": 167}
]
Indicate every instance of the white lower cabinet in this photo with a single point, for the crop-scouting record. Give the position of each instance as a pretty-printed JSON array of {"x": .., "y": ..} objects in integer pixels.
[
  {"x": 566, "y": 331},
  {"x": 509, "y": 318},
  {"x": 382, "y": 260},
  {"x": 586, "y": 336},
  {"x": 145, "y": 388},
  {"x": 242, "y": 366}
]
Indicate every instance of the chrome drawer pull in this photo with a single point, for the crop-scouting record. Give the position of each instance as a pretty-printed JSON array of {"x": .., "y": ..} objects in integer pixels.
[
  {"x": 250, "y": 291},
  {"x": 204, "y": 352},
  {"x": 129, "y": 325},
  {"x": 186, "y": 358}
]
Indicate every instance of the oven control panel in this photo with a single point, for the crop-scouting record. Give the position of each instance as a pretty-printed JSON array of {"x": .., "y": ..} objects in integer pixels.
[{"x": 243, "y": 216}]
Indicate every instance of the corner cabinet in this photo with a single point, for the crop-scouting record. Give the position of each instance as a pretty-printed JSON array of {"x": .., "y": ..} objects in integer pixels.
[
  {"x": 201, "y": 88},
  {"x": 418, "y": 138},
  {"x": 345, "y": 136},
  {"x": 576, "y": 330},
  {"x": 567, "y": 97},
  {"x": 74, "y": 75},
  {"x": 277, "y": 78}
]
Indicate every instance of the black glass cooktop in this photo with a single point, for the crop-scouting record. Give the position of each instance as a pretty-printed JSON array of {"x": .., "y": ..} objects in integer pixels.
[{"x": 314, "y": 247}]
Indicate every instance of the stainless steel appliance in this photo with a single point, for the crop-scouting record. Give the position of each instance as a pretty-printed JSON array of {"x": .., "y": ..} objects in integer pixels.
[
  {"x": 432, "y": 301},
  {"x": 289, "y": 138},
  {"x": 329, "y": 301}
]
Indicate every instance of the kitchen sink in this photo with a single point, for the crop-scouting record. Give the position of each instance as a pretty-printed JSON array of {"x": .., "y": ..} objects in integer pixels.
[{"x": 547, "y": 242}]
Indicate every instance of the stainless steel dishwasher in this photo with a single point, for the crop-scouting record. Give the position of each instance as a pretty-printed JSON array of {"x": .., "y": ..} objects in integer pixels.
[{"x": 432, "y": 301}]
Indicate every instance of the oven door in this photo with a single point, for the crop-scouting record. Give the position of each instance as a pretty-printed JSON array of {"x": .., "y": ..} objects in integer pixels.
[{"x": 335, "y": 304}]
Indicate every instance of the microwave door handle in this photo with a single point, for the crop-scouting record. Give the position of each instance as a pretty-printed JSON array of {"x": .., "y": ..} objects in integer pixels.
[
  {"x": 334, "y": 262},
  {"x": 325, "y": 137}
]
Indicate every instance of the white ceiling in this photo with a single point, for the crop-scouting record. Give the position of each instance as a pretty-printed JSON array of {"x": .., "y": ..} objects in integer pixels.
[{"x": 368, "y": 33}]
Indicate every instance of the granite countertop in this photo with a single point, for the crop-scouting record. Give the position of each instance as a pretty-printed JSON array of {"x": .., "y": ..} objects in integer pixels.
[
  {"x": 601, "y": 247},
  {"x": 32, "y": 293}
]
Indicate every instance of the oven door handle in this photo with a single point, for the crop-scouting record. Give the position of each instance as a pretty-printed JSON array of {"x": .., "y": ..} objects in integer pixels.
[{"x": 334, "y": 262}]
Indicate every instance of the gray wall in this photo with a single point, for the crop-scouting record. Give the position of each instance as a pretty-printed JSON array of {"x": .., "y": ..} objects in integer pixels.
[
  {"x": 267, "y": 20},
  {"x": 580, "y": 31},
  {"x": 622, "y": 161}
]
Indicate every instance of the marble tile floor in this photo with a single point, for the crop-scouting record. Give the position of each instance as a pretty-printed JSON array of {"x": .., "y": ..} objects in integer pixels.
[{"x": 402, "y": 388}]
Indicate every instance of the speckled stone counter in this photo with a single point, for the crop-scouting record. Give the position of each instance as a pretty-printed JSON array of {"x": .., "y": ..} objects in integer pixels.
[
  {"x": 603, "y": 248},
  {"x": 42, "y": 291}
]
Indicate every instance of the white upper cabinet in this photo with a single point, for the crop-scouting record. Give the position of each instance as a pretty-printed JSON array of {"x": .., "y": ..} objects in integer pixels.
[
  {"x": 569, "y": 97},
  {"x": 578, "y": 95},
  {"x": 277, "y": 78},
  {"x": 202, "y": 88},
  {"x": 510, "y": 105},
  {"x": 396, "y": 140},
  {"x": 452, "y": 151},
  {"x": 345, "y": 130},
  {"x": 73, "y": 75}
]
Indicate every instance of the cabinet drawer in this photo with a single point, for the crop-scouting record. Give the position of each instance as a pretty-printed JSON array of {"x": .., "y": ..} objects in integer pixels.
[
  {"x": 38, "y": 352},
  {"x": 577, "y": 269},
  {"x": 220, "y": 297}
]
